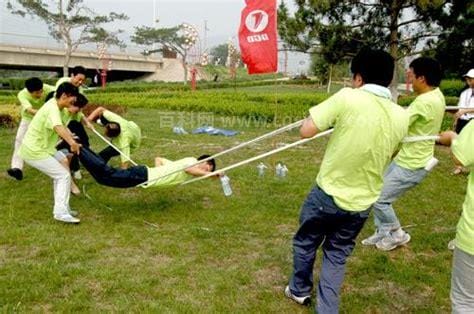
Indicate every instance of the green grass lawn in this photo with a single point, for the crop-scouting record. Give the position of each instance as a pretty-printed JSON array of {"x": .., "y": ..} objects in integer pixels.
[{"x": 191, "y": 249}]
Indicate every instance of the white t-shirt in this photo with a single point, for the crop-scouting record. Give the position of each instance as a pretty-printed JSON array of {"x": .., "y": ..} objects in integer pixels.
[{"x": 466, "y": 99}]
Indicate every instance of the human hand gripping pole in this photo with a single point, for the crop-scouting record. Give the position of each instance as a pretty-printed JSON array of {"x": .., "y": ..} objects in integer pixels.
[{"x": 113, "y": 146}]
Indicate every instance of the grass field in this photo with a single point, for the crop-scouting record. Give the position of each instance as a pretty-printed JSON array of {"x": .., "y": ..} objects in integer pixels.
[{"x": 191, "y": 249}]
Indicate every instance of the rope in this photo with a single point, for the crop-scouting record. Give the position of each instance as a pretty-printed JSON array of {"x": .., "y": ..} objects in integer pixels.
[
  {"x": 114, "y": 147},
  {"x": 264, "y": 136},
  {"x": 259, "y": 157},
  {"x": 412, "y": 139},
  {"x": 449, "y": 108}
]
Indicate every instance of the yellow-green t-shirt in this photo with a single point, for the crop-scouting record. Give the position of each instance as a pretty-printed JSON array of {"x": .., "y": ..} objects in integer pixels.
[
  {"x": 27, "y": 101},
  {"x": 67, "y": 117},
  {"x": 130, "y": 134},
  {"x": 40, "y": 139},
  {"x": 367, "y": 131},
  {"x": 463, "y": 148},
  {"x": 67, "y": 79},
  {"x": 426, "y": 115},
  {"x": 157, "y": 176}
]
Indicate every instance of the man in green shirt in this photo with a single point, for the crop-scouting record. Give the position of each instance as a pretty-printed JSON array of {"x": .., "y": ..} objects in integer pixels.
[
  {"x": 77, "y": 78},
  {"x": 39, "y": 148},
  {"x": 31, "y": 98},
  {"x": 126, "y": 135},
  {"x": 462, "y": 283},
  {"x": 368, "y": 128},
  {"x": 415, "y": 160}
]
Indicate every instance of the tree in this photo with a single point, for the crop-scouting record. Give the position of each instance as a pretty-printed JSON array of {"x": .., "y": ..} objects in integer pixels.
[
  {"x": 70, "y": 22},
  {"x": 338, "y": 28},
  {"x": 219, "y": 54},
  {"x": 178, "y": 39}
]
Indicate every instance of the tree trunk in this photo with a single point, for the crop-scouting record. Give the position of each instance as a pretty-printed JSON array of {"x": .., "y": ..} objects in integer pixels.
[
  {"x": 185, "y": 67},
  {"x": 329, "y": 79},
  {"x": 394, "y": 12}
]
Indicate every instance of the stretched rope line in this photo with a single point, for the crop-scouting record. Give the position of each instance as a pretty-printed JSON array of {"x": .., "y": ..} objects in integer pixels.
[
  {"x": 114, "y": 147},
  {"x": 241, "y": 145}
]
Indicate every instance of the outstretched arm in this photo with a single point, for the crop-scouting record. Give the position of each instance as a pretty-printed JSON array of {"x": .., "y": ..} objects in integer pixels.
[
  {"x": 96, "y": 114},
  {"x": 196, "y": 171}
]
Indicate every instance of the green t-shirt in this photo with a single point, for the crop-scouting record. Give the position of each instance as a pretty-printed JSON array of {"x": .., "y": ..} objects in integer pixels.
[
  {"x": 463, "y": 149},
  {"x": 40, "y": 138},
  {"x": 28, "y": 101},
  {"x": 67, "y": 117},
  {"x": 155, "y": 174},
  {"x": 130, "y": 134},
  {"x": 367, "y": 131},
  {"x": 67, "y": 79},
  {"x": 426, "y": 115}
]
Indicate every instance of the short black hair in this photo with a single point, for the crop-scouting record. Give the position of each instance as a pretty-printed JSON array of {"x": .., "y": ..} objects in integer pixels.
[
  {"x": 112, "y": 129},
  {"x": 81, "y": 101},
  {"x": 68, "y": 89},
  {"x": 211, "y": 162},
  {"x": 429, "y": 68},
  {"x": 78, "y": 70},
  {"x": 374, "y": 66},
  {"x": 33, "y": 84}
]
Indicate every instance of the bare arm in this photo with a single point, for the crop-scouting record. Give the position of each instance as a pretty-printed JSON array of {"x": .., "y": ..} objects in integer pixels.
[
  {"x": 446, "y": 138},
  {"x": 31, "y": 111},
  {"x": 87, "y": 123},
  {"x": 64, "y": 133},
  {"x": 96, "y": 114},
  {"x": 308, "y": 129},
  {"x": 196, "y": 171},
  {"x": 461, "y": 112}
]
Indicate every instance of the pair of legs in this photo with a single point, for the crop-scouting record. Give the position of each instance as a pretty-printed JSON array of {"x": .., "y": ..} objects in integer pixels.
[
  {"x": 16, "y": 169},
  {"x": 323, "y": 223},
  {"x": 61, "y": 185},
  {"x": 110, "y": 176},
  {"x": 397, "y": 180}
]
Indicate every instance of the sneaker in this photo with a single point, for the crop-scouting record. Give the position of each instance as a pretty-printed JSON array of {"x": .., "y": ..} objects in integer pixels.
[
  {"x": 15, "y": 173},
  {"x": 306, "y": 300},
  {"x": 67, "y": 218},
  {"x": 373, "y": 239},
  {"x": 391, "y": 241},
  {"x": 73, "y": 213},
  {"x": 452, "y": 245}
]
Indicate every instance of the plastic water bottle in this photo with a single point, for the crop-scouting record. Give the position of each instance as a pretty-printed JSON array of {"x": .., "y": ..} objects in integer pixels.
[
  {"x": 225, "y": 182},
  {"x": 283, "y": 171},
  {"x": 278, "y": 169},
  {"x": 261, "y": 169}
]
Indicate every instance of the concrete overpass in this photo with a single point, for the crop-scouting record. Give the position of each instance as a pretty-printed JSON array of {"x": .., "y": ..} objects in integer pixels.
[{"x": 123, "y": 66}]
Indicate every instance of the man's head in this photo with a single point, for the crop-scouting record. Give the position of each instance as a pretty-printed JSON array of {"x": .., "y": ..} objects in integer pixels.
[
  {"x": 78, "y": 76},
  {"x": 81, "y": 102},
  {"x": 34, "y": 86},
  {"x": 469, "y": 77},
  {"x": 66, "y": 94},
  {"x": 372, "y": 67},
  {"x": 424, "y": 73},
  {"x": 208, "y": 165},
  {"x": 112, "y": 129}
]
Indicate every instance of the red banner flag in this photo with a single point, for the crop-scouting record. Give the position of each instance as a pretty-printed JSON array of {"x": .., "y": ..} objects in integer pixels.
[{"x": 258, "y": 36}]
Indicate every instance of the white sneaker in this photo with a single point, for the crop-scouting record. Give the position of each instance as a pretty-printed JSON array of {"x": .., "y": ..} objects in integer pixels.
[
  {"x": 77, "y": 175},
  {"x": 67, "y": 218},
  {"x": 373, "y": 239},
  {"x": 391, "y": 241},
  {"x": 300, "y": 300}
]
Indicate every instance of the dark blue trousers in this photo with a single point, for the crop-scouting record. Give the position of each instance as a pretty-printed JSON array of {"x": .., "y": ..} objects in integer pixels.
[
  {"x": 323, "y": 223},
  {"x": 110, "y": 176}
]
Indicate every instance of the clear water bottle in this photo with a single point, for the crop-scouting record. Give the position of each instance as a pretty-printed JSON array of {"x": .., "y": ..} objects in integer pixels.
[
  {"x": 278, "y": 169},
  {"x": 225, "y": 182},
  {"x": 261, "y": 169},
  {"x": 283, "y": 171}
]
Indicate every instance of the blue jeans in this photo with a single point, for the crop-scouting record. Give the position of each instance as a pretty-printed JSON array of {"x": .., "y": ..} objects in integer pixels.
[
  {"x": 397, "y": 180},
  {"x": 323, "y": 222}
]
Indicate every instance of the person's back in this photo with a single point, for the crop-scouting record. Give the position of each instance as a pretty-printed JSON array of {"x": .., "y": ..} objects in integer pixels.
[{"x": 367, "y": 131}]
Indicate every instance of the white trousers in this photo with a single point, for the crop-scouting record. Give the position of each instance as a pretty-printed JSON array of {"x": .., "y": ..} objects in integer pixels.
[
  {"x": 61, "y": 182},
  {"x": 462, "y": 283},
  {"x": 17, "y": 162}
]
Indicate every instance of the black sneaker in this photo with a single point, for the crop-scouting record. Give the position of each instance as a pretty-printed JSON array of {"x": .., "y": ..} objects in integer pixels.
[{"x": 15, "y": 173}]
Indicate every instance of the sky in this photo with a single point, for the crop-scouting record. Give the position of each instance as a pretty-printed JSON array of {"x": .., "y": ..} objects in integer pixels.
[{"x": 222, "y": 18}]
